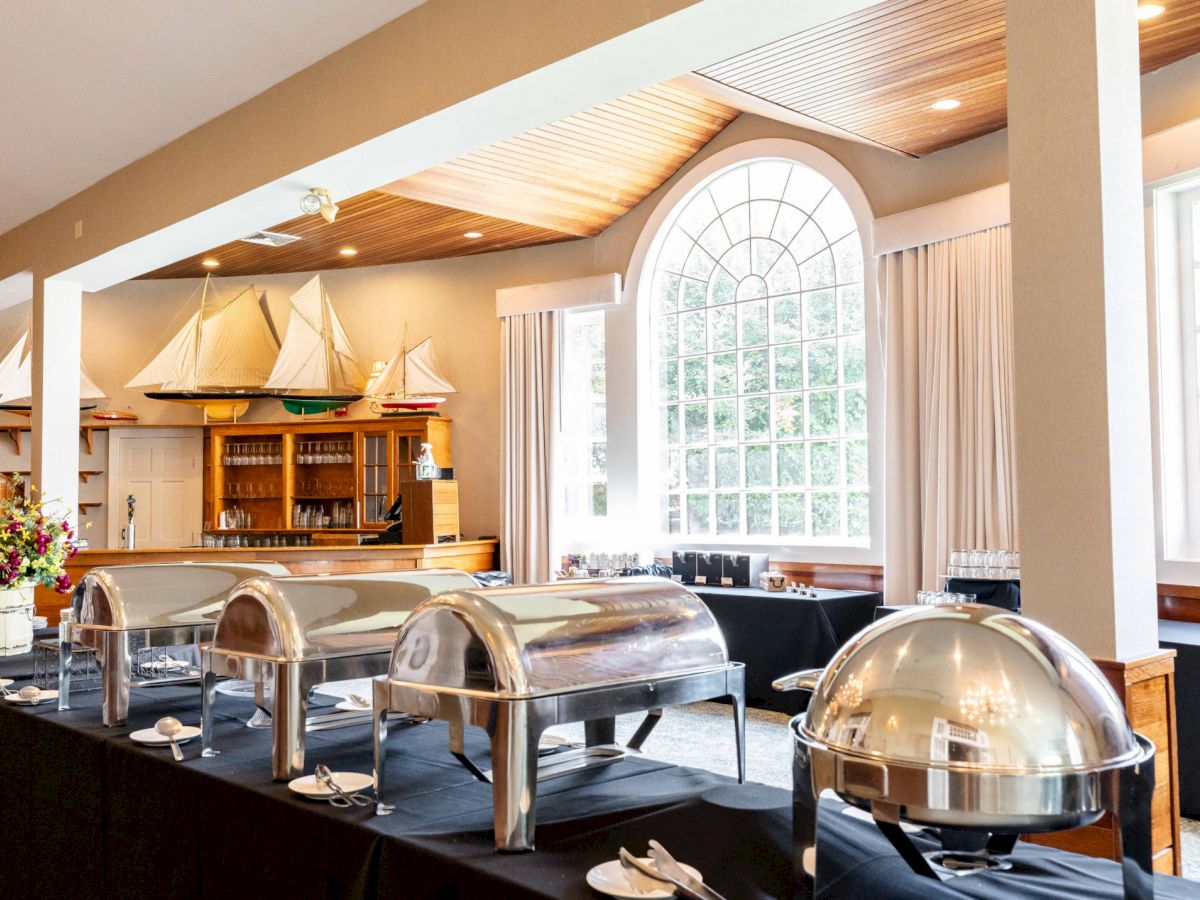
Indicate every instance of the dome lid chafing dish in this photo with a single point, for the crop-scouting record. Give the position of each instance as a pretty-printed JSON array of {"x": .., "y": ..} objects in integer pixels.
[
  {"x": 156, "y": 604},
  {"x": 517, "y": 660},
  {"x": 289, "y": 634},
  {"x": 971, "y": 718}
]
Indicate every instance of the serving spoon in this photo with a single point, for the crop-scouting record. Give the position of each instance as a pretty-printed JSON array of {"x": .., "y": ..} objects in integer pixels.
[{"x": 169, "y": 727}]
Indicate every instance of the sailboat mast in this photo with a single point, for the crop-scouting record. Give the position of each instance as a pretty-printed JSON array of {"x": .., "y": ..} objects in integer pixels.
[
  {"x": 199, "y": 335},
  {"x": 327, "y": 337},
  {"x": 404, "y": 364}
]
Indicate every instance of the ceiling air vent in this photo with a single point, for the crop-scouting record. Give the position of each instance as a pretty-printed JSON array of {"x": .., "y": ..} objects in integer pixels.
[{"x": 270, "y": 238}]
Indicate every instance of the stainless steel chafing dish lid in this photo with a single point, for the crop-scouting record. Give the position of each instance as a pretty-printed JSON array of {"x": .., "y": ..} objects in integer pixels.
[
  {"x": 299, "y": 617},
  {"x": 968, "y": 687},
  {"x": 159, "y": 595},
  {"x": 523, "y": 641}
]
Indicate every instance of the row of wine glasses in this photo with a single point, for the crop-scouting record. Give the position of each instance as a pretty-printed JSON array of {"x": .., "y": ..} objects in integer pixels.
[
  {"x": 257, "y": 540},
  {"x": 252, "y": 490},
  {"x": 991, "y": 564},
  {"x": 269, "y": 453},
  {"x": 310, "y": 453},
  {"x": 314, "y": 515},
  {"x": 235, "y": 517},
  {"x": 943, "y": 598},
  {"x": 315, "y": 487}
]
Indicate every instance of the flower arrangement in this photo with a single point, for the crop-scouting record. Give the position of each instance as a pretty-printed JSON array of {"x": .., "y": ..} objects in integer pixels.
[{"x": 34, "y": 544}]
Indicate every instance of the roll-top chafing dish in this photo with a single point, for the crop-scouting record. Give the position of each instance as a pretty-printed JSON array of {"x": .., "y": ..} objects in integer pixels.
[
  {"x": 972, "y": 719},
  {"x": 289, "y": 634},
  {"x": 517, "y": 660},
  {"x": 157, "y": 604}
]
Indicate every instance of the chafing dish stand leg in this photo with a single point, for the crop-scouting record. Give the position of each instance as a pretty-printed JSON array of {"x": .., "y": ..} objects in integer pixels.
[
  {"x": 116, "y": 673},
  {"x": 379, "y": 732},
  {"x": 514, "y": 775},
  {"x": 66, "y": 659},
  {"x": 208, "y": 699},
  {"x": 1135, "y": 790},
  {"x": 804, "y": 818},
  {"x": 288, "y": 712},
  {"x": 600, "y": 732},
  {"x": 738, "y": 700}
]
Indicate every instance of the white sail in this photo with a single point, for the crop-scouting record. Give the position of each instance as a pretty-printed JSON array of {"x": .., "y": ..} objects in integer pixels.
[
  {"x": 316, "y": 354},
  {"x": 412, "y": 373},
  {"x": 16, "y": 375},
  {"x": 221, "y": 346}
]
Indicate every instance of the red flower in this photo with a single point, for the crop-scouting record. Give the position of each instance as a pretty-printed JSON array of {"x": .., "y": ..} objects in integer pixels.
[{"x": 62, "y": 583}]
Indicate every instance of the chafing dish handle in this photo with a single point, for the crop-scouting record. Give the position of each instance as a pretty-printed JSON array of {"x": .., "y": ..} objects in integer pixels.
[{"x": 798, "y": 681}]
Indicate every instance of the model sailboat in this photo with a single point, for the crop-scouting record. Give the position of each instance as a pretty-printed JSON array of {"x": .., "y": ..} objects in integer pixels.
[
  {"x": 218, "y": 360},
  {"x": 316, "y": 370},
  {"x": 16, "y": 379},
  {"x": 411, "y": 382}
]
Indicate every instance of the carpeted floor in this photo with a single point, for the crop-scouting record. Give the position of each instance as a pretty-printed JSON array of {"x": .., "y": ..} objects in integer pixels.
[{"x": 701, "y": 735}]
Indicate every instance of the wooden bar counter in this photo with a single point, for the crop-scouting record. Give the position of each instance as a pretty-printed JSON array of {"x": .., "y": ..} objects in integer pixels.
[{"x": 470, "y": 556}]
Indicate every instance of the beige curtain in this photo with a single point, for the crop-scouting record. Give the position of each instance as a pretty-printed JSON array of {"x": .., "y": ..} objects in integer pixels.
[
  {"x": 951, "y": 475},
  {"x": 527, "y": 410}
]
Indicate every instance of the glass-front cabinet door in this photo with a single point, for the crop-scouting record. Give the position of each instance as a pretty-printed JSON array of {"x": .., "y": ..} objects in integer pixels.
[{"x": 376, "y": 489}]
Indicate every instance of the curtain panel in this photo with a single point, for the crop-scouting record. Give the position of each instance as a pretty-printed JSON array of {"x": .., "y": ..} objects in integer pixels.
[
  {"x": 528, "y": 400},
  {"x": 950, "y": 471}
]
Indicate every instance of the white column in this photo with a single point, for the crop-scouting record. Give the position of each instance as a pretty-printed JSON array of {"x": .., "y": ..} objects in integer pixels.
[
  {"x": 1079, "y": 317},
  {"x": 57, "y": 313}
]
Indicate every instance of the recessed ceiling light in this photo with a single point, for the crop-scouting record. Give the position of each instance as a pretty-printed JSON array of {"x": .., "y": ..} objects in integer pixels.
[
  {"x": 348, "y": 251},
  {"x": 1149, "y": 10},
  {"x": 210, "y": 263},
  {"x": 943, "y": 105},
  {"x": 473, "y": 234}
]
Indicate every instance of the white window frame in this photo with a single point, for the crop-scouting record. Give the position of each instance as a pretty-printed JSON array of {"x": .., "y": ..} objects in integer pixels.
[
  {"x": 633, "y": 494},
  {"x": 1177, "y": 326}
]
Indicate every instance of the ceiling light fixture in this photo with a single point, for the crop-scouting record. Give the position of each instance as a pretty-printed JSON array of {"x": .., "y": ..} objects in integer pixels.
[
  {"x": 319, "y": 200},
  {"x": 1149, "y": 10},
  {"x": 947, "y": 104},
  {"x": 473, "y": 234},
  {"x": 348, "y": 251},
  {"x": 209, "y": 263}
]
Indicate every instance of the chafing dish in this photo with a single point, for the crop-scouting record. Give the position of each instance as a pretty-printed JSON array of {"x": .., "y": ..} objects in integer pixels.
[
  {"x": 287, "y": 635},
  {"x": 116, "y": 609},
  {"x": 972, "y": 719},
  {"x": 517, "y": 660}
]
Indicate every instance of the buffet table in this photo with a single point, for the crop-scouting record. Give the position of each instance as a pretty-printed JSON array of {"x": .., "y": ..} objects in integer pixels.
[
  {"x": 775, "y": 633},
  {"x": 89, "y": 812}
]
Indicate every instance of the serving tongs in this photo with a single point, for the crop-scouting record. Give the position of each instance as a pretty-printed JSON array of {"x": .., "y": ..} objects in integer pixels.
[
  {"x": 339, "y": 798},
  {"x": 668, "y": 871}
]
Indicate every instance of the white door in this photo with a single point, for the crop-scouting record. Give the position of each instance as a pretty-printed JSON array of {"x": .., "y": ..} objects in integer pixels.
[{"x": 163, "y": 470}]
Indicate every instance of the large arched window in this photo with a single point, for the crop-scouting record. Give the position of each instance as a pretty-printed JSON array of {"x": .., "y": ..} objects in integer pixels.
[{"x": 758, "y": 356}]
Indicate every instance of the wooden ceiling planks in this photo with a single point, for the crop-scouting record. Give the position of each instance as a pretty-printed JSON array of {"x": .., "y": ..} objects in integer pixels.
[
  {"x": 383, "y": 228},
  {"x": 568, "y": 179},
  {"x": 582, "y": 173},
  {"x": 875, "y": 73}
]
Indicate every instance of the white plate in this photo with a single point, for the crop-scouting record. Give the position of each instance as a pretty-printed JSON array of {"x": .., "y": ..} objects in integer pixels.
[
  {"x": 5, "y": 682},
  {"x": 152, "y": 738},
  {"x": 350, "y": 782},
  {"x": 352, "y": 707},
  {"x": 609, "y": 878},
  {"x": 43, "y": 697}
]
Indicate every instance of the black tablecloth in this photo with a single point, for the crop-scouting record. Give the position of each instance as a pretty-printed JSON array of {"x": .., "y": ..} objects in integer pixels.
[
  {"x": 778, "y": 633},
  {"x": 96, "y": 815},
  {"x": 1184, "y": 638},
  {"x": 995, "y": 593}
]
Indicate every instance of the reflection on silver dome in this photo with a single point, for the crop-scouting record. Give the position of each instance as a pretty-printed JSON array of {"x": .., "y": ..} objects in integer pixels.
[{"x": 1010, "y": 696}]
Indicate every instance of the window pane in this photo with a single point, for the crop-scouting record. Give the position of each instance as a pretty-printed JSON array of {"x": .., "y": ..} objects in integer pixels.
[
  {"x": 697, "y": 469},
  {"x": 789, "y": 367},
  {"x": 756, "y": 418},
  {"x": 820, "y": 314},
  {"x": 792, "y": 514},
  {"x": 599, "y": 499},
  {"x": 755, "y": 372},
  {"x": 583, "y": 454},
  {"x": 789, "y": 459},
  {"x": 599, "y": 460},
  {"x": 697, "y": 513},
  {"x": 826, "y": 513},
  {"x": 826, "y": 463},
  {"x": 758, "y": 465},
  {"x": 758, "y": 514},
  {"x": 722, "y": 328},
  {"x": 724, "y": 420},
  {"x": 726, "y": 467},
  {"x": 729, "y": 514},
  {"x": 758, "y": 308}
]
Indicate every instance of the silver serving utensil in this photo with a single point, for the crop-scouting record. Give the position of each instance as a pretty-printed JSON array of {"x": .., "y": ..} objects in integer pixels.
[
  {"x": 169, "y": 727},
  {"x": 358, "y": 700},
  {"x": 628, "y": 859},
  {"x": 638, "y": 880},
  {"x": 339, "y": 797},
  {"x": 665, "y": 863}
]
